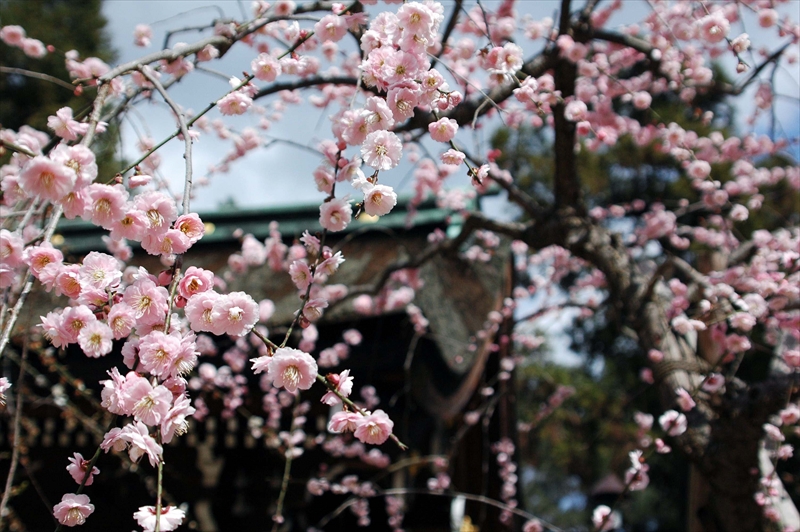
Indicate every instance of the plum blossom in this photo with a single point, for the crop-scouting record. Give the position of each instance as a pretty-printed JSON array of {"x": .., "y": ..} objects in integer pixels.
[
  {"x": 344, "y": 385},
  {"x": 147, "y": 300},
  {"x": 344, "y": 421},
  {"x": 673, "y": 423},
  {"x": 335, "y": 215},
  {"x": 195, "y": 281},
  {"x": 45, "y": 178},
  {"x": 685, "y": 400},
  {"x": 235, "y": 103},
  {"x": 379, "y": 200},
  {"x": 374, "y": 428},
  {"x": 142, "y": 34},
  {"x": 575, "y": 111},
  {"x": 170, "y": 519},
  {"x": 382, "y": 150},
  {"x": 443, "y": 130},
  {"x": 136, "y": 437},
  {"x": 605, "y": 519},
  {"x": 78, "y": 467},
  {"x": 73, "y": 509},
  {"x": 63, "y": 125},
  {"x": 236, "y": 313},
  {"x": 95, "y": 339},
  {"x": 288, "y": 368}
]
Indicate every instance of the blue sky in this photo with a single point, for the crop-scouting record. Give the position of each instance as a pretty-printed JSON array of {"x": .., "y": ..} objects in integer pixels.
[{"x": 282, "y": 174}]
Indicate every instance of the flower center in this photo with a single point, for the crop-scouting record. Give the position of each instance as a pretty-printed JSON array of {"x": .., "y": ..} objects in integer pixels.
[
  {"x": 103, "y": 205},
  {"x": 235, "y": 314},
  {"x": 74, "y": 515},
  {"x": 291, "y": 375},
  {"x": 143, "y": 303},
  {"x": 156, "y": 220},
  {"x": 144, "y": 405},
  {"x": 47, "y": 178}
]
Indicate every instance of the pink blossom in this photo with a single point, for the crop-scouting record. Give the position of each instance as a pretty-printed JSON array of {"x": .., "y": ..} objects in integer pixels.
[
  {"x": 73, "y": 509},
  {"x": 132, "y": 225},
  {"x": 642, "y": 100},
  {"x": 12, "y": 35},
  {"x": 147, "y": 300},
  {"x": 75, "y": 320},
  {"x": 288, "y": 368},
  {"x": 78, "y": 467},
  {"x": 265, "y": 68},
  {"x": 142, "y": 34},
  {"x": 157, "y": 351},
  {"x": 114, "y": 398},
  {"x": 330, "y": 265},
  {"x": 54, "y": 330},
  {"x": 402, "y": 101},
  {"x": 195, "y": 281},
  {"x": 46, "y": 179},
  {"x": 375, "y": 428},
  {"x": 683, "y": 325},
  {"x": 170, "y": 519},
  {"x": 236, "y": 313},
  {"x": 175, "y": 420},
  {"x": 575, "y": 111},
  {"x": 636, "y": 477},
  {"x": 352, "y": 337},
  {"x": 453, "y": 157},
  {"x": 673, "y": 423},
  {"x": 335, "y": 215},
  {"x": 63, "y": 125},
  {"x": 767, "y": 18},
  {"x": 199, "y": 311},
  {"x": 140, "y": 442},
  {"x": 604, "y": 519},
  {"x": 713, "y": 382},
  {"x": 159, "y": 208},
  {"x": 235, "y": 103},
  {"x": 150, "y": 405},
  {"x": 534, "y": 525},
  {"x": 379, "y": 200},
  {"x": 105, "y": 204},
  {"x": 312, "y": 310},
  {"x": 344, "y": 421},
  {"x": 39, "y": 257},
  {"x": 139, "y": 180},
  {"x": 382, "y": 150},
  {"x": 11, "y": 246},
  {"x": 331, "y": 28},
  {"x": 698, "y": 169},
  {"x": 443, "y": 130},
  {"x": 95, "y": 339},
  {"x": 344, "y": 385},
  {"x": 300, "y": 274},
  {"x": 685, "y": 400},
  {"x": 714, "y": 28},
  {"x": 34, "y": 48},
  {"x": 190, "y": 225},
  {"x": 99, "y": 271},
  {"x": 741, "y": 43}
]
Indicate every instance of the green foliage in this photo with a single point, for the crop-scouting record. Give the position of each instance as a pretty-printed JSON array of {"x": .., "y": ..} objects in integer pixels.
[
  {"x": 66, "y": 25},
  {"x": 27, "y": 100}
]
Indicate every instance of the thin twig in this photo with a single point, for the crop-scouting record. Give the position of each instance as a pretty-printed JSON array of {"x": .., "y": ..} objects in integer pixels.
[
  {"x": 187, "y": 139},
  {"x": 17, "y": 436},
  {"x": 38, "y": 75}
]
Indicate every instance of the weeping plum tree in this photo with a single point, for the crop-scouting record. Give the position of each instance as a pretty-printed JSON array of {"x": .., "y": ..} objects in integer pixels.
[{"x": 692, "y": 279}]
